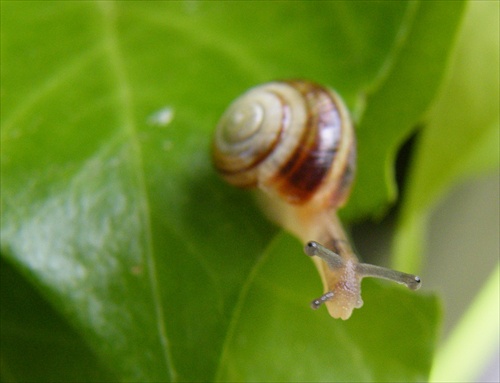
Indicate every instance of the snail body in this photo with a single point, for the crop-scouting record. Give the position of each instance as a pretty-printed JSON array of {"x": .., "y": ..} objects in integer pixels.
[{"x": 295, "y": 141}]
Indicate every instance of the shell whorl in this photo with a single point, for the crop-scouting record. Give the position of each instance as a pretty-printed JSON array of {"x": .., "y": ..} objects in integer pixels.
[{"x": 291, "y": 138}]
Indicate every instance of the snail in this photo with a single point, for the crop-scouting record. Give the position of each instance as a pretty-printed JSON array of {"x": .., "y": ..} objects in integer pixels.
[{"x": 295, "y": 141}]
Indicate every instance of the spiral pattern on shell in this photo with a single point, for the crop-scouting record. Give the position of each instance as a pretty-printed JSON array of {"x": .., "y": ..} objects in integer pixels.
[{"x": 291, "y": 138}]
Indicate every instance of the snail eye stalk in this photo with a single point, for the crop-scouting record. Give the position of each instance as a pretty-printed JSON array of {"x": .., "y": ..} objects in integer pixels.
[{"x": 363, "y": 270}]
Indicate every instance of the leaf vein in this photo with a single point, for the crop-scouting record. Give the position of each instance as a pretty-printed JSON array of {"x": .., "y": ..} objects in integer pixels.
[{"x": 125, "y": 96}]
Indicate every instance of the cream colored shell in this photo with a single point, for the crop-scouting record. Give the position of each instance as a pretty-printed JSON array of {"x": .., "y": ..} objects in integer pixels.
[{"x": 292, "y": 138}]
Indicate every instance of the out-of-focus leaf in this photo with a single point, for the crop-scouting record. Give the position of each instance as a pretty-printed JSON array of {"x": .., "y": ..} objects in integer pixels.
[
  {"x": 405, "y": 90},
  {"x": 37, "y": 344},
  {"x": 480, "y": 329},
  {"x": 462, "y": 135}
]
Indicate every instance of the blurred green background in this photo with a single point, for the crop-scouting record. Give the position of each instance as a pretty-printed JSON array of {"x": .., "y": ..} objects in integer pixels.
[{"x": 126, "y": 258}]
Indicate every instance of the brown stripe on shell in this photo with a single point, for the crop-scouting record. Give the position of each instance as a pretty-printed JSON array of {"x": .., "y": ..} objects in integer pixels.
[
  {"x": 344, "y": 186},
  {"x": 308, "y": 166}
]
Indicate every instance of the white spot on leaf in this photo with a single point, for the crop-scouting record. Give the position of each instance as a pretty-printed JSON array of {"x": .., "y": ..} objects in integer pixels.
[{"x": 162, "y": 117}]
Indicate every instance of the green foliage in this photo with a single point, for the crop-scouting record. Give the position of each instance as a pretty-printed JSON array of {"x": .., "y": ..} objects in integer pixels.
[
  {"x": 466, "y": 118},
  {"x": 123, "y": 252}
]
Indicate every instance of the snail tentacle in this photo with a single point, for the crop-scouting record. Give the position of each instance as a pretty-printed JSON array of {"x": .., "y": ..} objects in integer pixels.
[{"x": 315, "y": 304}]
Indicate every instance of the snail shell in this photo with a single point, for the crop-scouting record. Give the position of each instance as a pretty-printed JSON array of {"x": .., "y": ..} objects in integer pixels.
[{"x": 290, "y": 138}]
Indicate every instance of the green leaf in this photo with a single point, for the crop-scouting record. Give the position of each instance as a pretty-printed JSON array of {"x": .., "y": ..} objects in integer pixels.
[
  {"x": 111, "y": 210},
  {"x": 462, "y": 135},
  {"x": 479, "y": 329},
  {"x": 32, "y": 332},
  {"x": 408, "y": 84}
]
